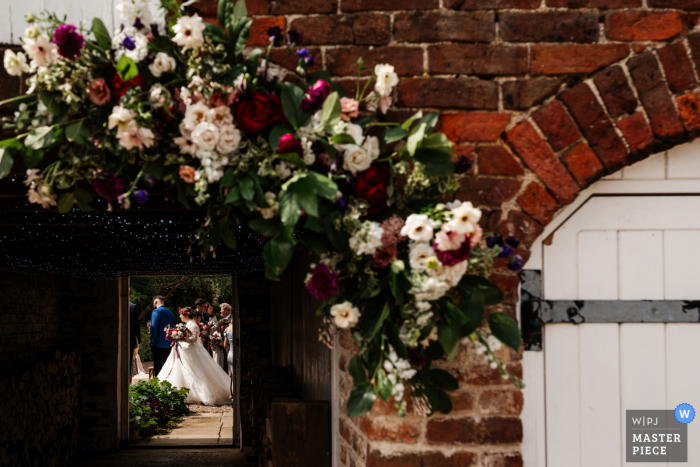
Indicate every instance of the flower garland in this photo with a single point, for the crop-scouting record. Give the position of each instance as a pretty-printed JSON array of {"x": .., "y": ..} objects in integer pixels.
[{"x": 172, "y": 102}]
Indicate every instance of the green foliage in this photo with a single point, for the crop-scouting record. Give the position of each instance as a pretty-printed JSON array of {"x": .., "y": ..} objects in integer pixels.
[
  {"x": 145, "y": 353},
  {"x": 155, "y": 403}
]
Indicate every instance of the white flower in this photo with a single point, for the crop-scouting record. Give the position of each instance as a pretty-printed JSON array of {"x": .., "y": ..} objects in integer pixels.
[
  {"x": 493, "y": 343},
  {"x": 377, "y": 101},
  {"x": 428, "y": 288},
  {"x": 345, "y": 315},
  {"x": 418, "y": 256},
  {"x": 196, "y": 114},
  {"x": 423, "y": 307},
  {"x": 418, "y": 227},
  {"x": 163, "y": 63},
  {"x": 353, "y": 130},
  {"x": 139, "y": 48},
  {"x": 386, "y": 79},
  {"x": 423, "y": 319},
  {"x": 452, "y": 205},
  {"x": 221, "y": 116},
  {"x": 309, "y": 156},
  {"x": 283, "y": 170},
  {"x": 433, "y": 336},
  {"x": 357, "y": 160},
  {"x": 367, "y": 239},
  {"x": 269, "y": 213},
  {"x": 32, "y": 32},
  {"x": 314, "y": 126},
  {"x": 450, "y": 274},
  {"x": 464, "y": 217},
  {"x": 32, "y": 175},
  {"x": 130, "y": 10},
  {"x": 448, "y": 239},
  {"x": 188, "y": 32},
  {"x": 15, "y": 63},
  {"x": 229, "y": 138},
  {"x": 372, "y": 146},
  {"x": 41, "y": 50},
  {"x": 134, "y": 137},
  {"x": 206, "y": 136},
  {"x": 120, "y": 118},
  {"x": 186, "y": 146}
]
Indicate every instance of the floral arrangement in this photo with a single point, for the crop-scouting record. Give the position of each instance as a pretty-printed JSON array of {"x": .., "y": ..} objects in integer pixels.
[
  {"x": 215, "y": 338},
  {"x": 188, "y": 312},
  {"x": 205, "y": 329},
  {"x": 172, "y": 103},
  {"x": 177, "y": 334}
]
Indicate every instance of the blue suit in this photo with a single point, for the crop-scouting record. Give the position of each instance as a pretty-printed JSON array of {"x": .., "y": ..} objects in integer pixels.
[{"x": 161, "y": 318}]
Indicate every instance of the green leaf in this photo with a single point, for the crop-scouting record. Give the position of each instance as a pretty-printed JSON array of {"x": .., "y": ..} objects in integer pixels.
[
  {"x": 161, "y": 43},
  {"x": 82, "y": 196},
  {"x": 78, "y": 132},
  {"x": 266, "y": 227},
  {"x": 361, "y": 400},
  {"x": 83, "y": 206},
  {"x": 154, "y": 168},
  {"x": 6, "y": 162},
  {"x": 294, "y": 159},
  {"x": 240, "y": 10},
  {"x": 473, "y": 309},
  {"x": 49, "y": 100},
  {"x": 331, "y": 112},
  {"x": 65, "y": 203},
  {"x": 392, "y": 334},
  {"x": 40, "y": 137},
  {"x": 438, "y": 399},
  {"x": 436, "y": 163},
  {"x": 491, "y": 293},
  {"x": 215, "y": 33},
  {"x": 375, "y": 312},
  {"x": 383, "y": 385},
  {"x": 304, "y": 195},
  {"x": 289, "y": 210},
  {"x": 254, "y": 61},
  {"x": 437, "y": 141},
  {"x": 430, "y": 121},
  {"x": 364, "y": 121},
  {"x": 505, "y": 329},
  {"x": 325, "y": 187},
  {"x": 415, "y": 137},
  {"x": 343, "y": 138},
  {"x": 291, "y": 104},
  {"x": 32, "y": 157},
  {"x": 407, "y": 124},
  {"x": 247, "y": 188},
  {"x": 277, "y": 254},
  {"x": 244, "y": 35},
  {"x": 222, "y": 12},
  {"x": 443, "y": 380},
  {"x": 392, "y": 135},
  {"x": 323, "y": 75},
  {"x": 357, "y": 370},
  {"x": 233, "y": 195},
  {"x": 449, "y": 338},
  {"x": 275, "y": 135},
  {"x": 101, "y": 34},
  {"x": 339, "y": 239},
  {"x": 127, "y": 68}
]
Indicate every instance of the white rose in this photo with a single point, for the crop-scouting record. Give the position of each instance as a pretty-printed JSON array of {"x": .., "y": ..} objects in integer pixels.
[
  {"x": 120, "y": 118},
  {"x": 420, "y": 252},
  {"x": 163, "y": 63},
  {"x": 357, "y": 160},
  {"x": 205, "y": 136},
  {"x": 372, "y": 147},
  {"x": 345, "y": 315},
  {"x": 229, "y": 139},
  {"x": 386, "y": 79},
  {"x": 464, "y": 217},
  {"x": 15, "y": 64},
  {"x": 221, "y": 116},
  {"x": 353, "y": 130},
  {"x": 418, "y": 228},
  {"x": 188, "y": 32},
  {"x": 450, "y": 274},
  {"x": 196, "y": 114}
]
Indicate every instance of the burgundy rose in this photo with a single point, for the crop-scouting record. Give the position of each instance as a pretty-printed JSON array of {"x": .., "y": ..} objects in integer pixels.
[
  {"x": 452, "y": 257},
  {"x": 257, "y": 111},
  {"x": 317, "y": 96},
  {"x": 371, "y": 186},
  {"x": 119, "y": 86},
  {"x": 385, "y": 255},
  {"x": 290, "y": 145},
  {"x": 323, "y": 282}
]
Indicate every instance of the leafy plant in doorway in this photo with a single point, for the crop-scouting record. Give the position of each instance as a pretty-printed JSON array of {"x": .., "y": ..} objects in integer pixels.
[{"x": 154, "y": 404}]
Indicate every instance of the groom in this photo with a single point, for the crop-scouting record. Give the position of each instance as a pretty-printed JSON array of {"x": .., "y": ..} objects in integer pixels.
[{"x": 160, "y": 318}]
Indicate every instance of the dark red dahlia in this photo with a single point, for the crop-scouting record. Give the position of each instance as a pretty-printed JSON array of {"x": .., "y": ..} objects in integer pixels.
[
  {"x": 323, "y": 283},
  {"x": 371, "y": 186},
  {"x": 69, "y": 42}
]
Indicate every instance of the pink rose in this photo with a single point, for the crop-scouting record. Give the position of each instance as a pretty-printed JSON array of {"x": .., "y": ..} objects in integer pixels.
[
  {"x": 99, "y": 92},
  {"x": 476, "y": 236},
  {"x": 350, "y": 108},
  {"x": 187, "y": 173}
]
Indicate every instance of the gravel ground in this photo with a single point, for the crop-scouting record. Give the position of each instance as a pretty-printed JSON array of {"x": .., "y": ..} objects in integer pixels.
[
  {"x": 197, "y": 408},
  {"x": 171, "y": 457}
]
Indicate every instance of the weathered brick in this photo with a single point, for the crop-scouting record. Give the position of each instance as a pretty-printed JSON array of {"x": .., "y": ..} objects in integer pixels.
[
  {"x": 681, "y": 4},
  {"x": 282, "y": 7},
  {"x": 473, "y": 126},
  {"x": 557, "y": 125},
  {"x": 330, "y": 29},
  {"x": 420, "y": 459},
  {"x": 694, "y": 46},
  {"x": 689, "y": 108},
  {"x": 387, "y": 5},
  {"x": 462, "y": 401},
  {"x": 371, "y": 29},
  {"x": 654, "y": 95},
  {"x": 615, "y": 90},
  {"x": 507, "y": 459},
  {"x": 559, "y": 26},
  {"x": 460, "y": 93},
  {"x": 595, "y": 125},
  {"x": 509, "y": 284},
  {"x": 407, "y": 61},
  {"x": 574, "y": 58},
  {"x": 594, "y": 3},
  {"x": 538, "y": 203},
  {"x": 436, "y": 26},
  {"x": 392, "y": 430},
  {"x": 636, "y": 131},
  {"x": 583, "y": 164},
  {"x": 487, "y": 191},
  {"x": 540, "y": 158},
  {"x": 497, "y": 160},
  {"x": 258, "y": 30},
  {"x": 526, "y": 93},
  {"x": 466, "y": 430},
  {"x": 282, "y": 57},
  {"x": 642, "y": 25},
  {"x": 491, "y": 4},
  {"x": 677, "y": 67},
  {"x": 477, "y": 59},
  {"x": 501, "y": 401}
]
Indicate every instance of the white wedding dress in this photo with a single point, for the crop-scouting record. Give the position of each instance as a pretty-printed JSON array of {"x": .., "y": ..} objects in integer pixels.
[{"x": 190, "y": 366}]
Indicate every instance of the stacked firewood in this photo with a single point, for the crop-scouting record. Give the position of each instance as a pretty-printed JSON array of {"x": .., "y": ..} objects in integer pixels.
[{"x": 39, "y": 412}]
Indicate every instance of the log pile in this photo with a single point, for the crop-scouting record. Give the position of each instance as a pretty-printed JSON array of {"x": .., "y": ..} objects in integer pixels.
[{"x": 39, "y": 412}]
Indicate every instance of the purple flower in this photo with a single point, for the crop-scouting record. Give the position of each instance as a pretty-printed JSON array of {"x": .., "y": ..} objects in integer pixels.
[
  {"x": 511, "y": 241},
  {"x": 110, "y": 187},
  {"x": 505, "y": 252},
  {"x": 494, "y": 240},
  {"x": 463, "y": 165},
  {"x": 294, "y": 37},
  {"x": 124, "y": 201},
  {"x": 70, "y": 43},
  {"x": 516, "y": 263},
  {"x": 416, "y": 358},
  {"x": 141, "y": 196},
  {"x": 129, "y": 43},
  {"x": 151, "y": 180},
  {"x": 323, "y": 283},
  {"x": 154, "y": 30},
  {"x": 138, "y": 24},
  {"x": 307, "y": 56},
  {"x": 317, "y": 96},
  {"x": 276, "y": 35}
]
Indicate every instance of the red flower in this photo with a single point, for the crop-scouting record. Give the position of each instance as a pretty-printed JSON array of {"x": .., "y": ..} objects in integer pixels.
[
  {"x": 290, "y": 145},
  {"x": 371, "y": 186},
  {"x": 452, "y": 257},
  {"x": 385, "y": 255},
  {"x": 257, "y": 111},
  {"x": 119, "y": 86}
]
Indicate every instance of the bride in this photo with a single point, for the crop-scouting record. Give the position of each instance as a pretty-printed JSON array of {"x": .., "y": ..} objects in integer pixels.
[{"x": 190, "y": 366}]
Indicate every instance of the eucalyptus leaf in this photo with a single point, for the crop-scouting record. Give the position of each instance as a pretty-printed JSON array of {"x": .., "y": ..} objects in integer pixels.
[{"x": 361, "y": 400}]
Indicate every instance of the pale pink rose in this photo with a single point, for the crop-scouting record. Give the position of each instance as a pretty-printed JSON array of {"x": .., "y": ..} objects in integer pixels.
[
  {"x": 476, "y": 236},
  {"x": 187, "y": 173},
  {"x": 448, "y": 239},
  {"x": 350, "y": 108},
  {"x": 99, "y": 92}
]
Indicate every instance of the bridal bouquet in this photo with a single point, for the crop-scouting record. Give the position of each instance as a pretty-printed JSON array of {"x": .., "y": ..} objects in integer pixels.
[
  {"x": 172, "y": 104},
  {"x": 215, "y": 338},
  {"x": 205, "y": 329},
  {"x": 177, "y": 334}
]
